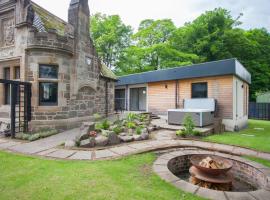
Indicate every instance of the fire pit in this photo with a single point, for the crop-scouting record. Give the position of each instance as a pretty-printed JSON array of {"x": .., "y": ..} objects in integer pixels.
[{"x": 211, "y": 172}]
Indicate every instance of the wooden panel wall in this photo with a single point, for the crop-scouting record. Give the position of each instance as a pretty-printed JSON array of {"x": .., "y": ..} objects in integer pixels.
[{"x": 161, "y": 99}]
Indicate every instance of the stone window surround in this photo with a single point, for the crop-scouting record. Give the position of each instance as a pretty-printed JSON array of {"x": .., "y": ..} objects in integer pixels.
[
  {"x": 12, "y": 65},
  {"x": 51, "y": 80}
]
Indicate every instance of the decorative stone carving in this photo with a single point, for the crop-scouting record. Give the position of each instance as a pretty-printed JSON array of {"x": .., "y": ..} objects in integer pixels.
[{"x": 8, "y": 28}]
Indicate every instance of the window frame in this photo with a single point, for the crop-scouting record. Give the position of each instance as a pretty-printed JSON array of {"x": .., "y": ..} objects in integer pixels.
[
  {"x": 52, "y": 80},
  {"x": 193, "y": 96}
]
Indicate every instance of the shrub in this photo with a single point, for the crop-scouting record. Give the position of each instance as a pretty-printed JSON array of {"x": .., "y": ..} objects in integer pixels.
[
  {"x": 97, "y": 117},
  {"x": 105, "y": 124},
  {"x": 131, "y": 117},
  {"x": 117, "y": 130},
  {"x": 48, "y": 133},
  {"x": 34, "y": 137},
  {"x": 131, "y": 125},
  {"x": 196, "y": 133},
  {"x": 139, "y": 130},
  {"x": 189, "y": 124},
  {"x": 181, "y": 133}
]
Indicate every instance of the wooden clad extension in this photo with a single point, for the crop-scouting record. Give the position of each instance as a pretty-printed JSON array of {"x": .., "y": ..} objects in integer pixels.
[{"x": 160, "y": 98}]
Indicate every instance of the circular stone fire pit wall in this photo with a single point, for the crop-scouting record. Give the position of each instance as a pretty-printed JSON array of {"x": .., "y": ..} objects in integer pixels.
[{"x": 242, "y": 171}]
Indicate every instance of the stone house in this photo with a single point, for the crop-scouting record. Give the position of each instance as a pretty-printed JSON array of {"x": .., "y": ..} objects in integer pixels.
[{"x": 69, "y": 82}]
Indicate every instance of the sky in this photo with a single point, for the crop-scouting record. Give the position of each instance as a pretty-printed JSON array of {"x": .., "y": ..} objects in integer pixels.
[{"x": 256, "y": 12}]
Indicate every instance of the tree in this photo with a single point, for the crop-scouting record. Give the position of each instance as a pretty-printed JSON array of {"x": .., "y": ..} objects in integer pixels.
[{"x": 111, "y": 36}]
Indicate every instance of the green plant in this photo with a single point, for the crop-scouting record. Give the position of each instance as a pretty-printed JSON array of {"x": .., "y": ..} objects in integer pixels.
[
  {"x": 189, "y": 124},
  {"x": 48, "y": 133},
  {"x": 117, "y": 130},
  {"x": 131, "y": 125},
  {"x": 196, "y": 133},
  {"x": 105, "y": 124},
  {"x": 139, "y": 130},
  {"x": 97, "y": 117},
  {"x": 131, "y": 117},
  {"x": 181, "y": 133},
  {"x": 34, "y": 137}
]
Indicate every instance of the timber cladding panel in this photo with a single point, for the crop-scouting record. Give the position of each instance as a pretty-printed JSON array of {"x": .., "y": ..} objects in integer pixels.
[
  {"x": 161, "y": 96},
  {"x": 160, "y": 99}
]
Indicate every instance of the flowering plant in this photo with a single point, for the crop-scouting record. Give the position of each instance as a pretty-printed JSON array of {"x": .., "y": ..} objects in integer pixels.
[{"x": 93, "y": 134}]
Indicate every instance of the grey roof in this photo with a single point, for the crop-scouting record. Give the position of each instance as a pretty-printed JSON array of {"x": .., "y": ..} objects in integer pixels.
[{"x": 216, "y": 68}]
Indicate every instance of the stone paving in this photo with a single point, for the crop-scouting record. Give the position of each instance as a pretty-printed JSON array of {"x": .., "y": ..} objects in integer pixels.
[{"x": 163, "y": 139}]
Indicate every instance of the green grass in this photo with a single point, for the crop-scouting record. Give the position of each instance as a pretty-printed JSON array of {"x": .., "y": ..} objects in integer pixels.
[
  {"x": 259, "y": 160},
  {"x": 250, "y": 137},
  {"x": 28, "y": 178}
]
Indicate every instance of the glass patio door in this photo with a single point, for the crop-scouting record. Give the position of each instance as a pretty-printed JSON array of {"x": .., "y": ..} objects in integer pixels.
[{"x": 138, "y": 99}]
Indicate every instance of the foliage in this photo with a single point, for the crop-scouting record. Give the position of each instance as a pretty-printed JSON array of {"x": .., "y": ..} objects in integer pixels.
[
  {"x": 131, "y": 125},
  {"x": 117, "y": 130},
  {"x": 110, "y": 37},
  {"x": 159, "y": 44},
  {"x": 131, "y": 117},
  {"x": 196, "y": 133},
  {"x": 97, "y": 117},
  {"x": 181, "y": 133},
  {"x": 104, "y": 124},
  {"x": 189, "y": 125},
  {"x": 139, "y": 130},
  {"x": 43, "y": 133},
  {"x": 251, "y": 137}
]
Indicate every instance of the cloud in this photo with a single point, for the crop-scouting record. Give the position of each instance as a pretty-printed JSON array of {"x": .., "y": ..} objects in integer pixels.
[{"x": 256, "y": 13}]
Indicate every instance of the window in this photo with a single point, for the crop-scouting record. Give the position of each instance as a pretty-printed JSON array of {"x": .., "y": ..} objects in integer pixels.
[
  {"x": 199, "y": 90},
  {"x": 48, "y": 71},
  {"x": 48, "y": 93},
  {"x": 17, "y": 73},
  {"x": 48, "y": 89}
]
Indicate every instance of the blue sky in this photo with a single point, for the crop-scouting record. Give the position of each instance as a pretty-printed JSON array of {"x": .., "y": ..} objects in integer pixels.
[{"x": 256, "y": 12}]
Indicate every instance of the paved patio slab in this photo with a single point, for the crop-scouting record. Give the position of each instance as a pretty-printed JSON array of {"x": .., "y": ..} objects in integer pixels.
[
  {"x": 8, "y": 144},
  {"x": 82, "y": 155},
  {"x": 62, "y": 153},
  {"x": 239, "y": 196},
  {"x": 99, "y": 154},
  {"x": 211, "y": 194},
  {"x": 123, "y": 150}
]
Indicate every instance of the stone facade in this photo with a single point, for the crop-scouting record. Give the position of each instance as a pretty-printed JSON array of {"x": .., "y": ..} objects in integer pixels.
[{"x": 31, "y": 37}]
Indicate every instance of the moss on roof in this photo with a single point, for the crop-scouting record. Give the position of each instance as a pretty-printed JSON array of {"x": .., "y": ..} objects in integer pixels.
[
  {"x": 49, "y": 20},
  {"x": 106, "y": 72}
]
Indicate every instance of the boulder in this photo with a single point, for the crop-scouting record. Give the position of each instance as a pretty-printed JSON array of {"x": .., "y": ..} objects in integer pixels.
[
  {"x": 137, "y": 137},
  {"x": 70, "y": 144},
  {"x": 85, "y": 129},
  {"x": 123, "y": 134},
  {"x": 113, "y": 139},
  {"x": 90, "y": 142},
  {"x": 126, "y": 138},
  {"x": 145, "y": 134},
  {"x": 101, "y": 141}
]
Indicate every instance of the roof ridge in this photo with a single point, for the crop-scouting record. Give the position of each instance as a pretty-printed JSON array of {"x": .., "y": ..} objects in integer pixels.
[{"x": 184, "y": 66}]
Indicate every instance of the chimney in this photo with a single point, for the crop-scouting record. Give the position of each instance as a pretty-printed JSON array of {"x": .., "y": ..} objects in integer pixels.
[{"x": 79, "y": 16}]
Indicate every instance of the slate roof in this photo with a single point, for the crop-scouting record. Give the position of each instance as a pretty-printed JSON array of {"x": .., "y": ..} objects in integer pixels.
[
  {"x": 107, "y": 73},
  {"x": 44, "y": 20},
  {"x": 209, "y": 69}
]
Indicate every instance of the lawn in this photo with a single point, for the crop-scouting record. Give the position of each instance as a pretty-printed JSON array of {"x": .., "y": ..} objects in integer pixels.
[
  {"x": 129, "y": 178},
  {"x": 252, "y": 137}
]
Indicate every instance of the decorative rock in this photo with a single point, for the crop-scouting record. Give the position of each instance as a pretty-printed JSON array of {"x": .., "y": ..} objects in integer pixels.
[
  {"x": 145, "y": 136},
  {"x": 106, "y": 133},
  {"x": 137, "y": 137},
  {"x": 151, "y": 128},
  {"x": 123, "y": 134},
  {"x": 70, "y": 143},
  {"x": 85, "y": 129},
  {"x": 88, "y": 143},
  {"x": 113, "y": 139},
  {"x": 126, "y": 138},
  {"x": 101, "y": 140}
]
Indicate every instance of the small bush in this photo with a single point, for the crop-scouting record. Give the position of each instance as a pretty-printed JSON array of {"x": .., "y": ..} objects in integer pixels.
[
  {"x": 34, "y": 137},
  {"x": 105, "y": 124},
  {"x": 196, "y": 133},
  {"x": 131, "y": 117},
  {"x": 189, "y": 124},
  {"x": 131, "y": 125},
  {"x": 139, "y": 130},
  {"x": 97, "y": 117},
  {"x": 48, "y": 133},
  {"x": 117, "y": 130},
  {"x": 181, "y": 133}
]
